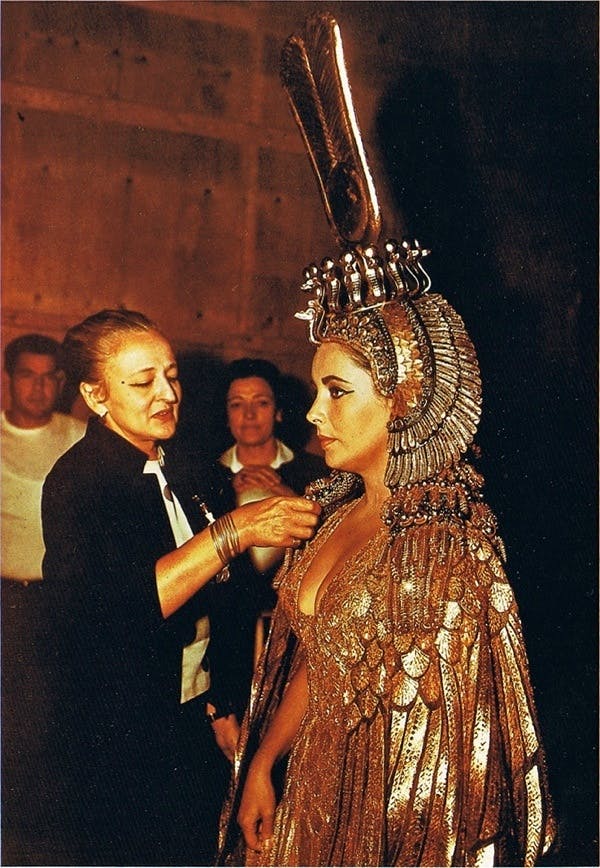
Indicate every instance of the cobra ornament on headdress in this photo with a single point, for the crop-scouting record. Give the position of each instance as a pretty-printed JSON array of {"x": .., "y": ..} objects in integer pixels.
[{"x": 378, "y": 302}]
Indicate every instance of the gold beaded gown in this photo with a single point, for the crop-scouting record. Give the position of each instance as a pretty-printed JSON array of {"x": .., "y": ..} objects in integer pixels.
[{"x": 420, "y": 744}]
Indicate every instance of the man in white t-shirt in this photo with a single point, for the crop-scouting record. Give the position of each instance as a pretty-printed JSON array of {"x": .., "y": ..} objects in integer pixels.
[{"x": 32, "y": 437}]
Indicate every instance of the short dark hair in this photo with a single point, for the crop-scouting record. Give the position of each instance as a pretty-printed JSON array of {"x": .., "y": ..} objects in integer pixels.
[
  {"x": 240, "y": 369},
  {"x": 40, "y": 345},
  {"x": 291, "y": 399}
]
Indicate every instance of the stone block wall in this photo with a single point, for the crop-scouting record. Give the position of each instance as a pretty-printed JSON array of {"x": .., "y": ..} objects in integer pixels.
[
  {"x": 142, "y": 167},
  {"x": 150, "y": 159}
]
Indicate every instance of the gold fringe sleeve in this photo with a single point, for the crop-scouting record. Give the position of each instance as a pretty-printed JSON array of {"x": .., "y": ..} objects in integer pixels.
[{"x": 467, "y": 771}]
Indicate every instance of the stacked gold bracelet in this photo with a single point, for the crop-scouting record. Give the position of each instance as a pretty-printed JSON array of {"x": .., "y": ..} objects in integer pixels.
[{"x": 225, "y": 538}]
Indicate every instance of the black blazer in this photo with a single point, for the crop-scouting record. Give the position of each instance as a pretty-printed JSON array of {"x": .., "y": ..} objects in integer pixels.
[{"x": 113, "y": 662}]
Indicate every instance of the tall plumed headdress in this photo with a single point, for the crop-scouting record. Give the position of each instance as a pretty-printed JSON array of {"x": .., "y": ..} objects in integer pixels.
[{"x": 378, "y": 299}]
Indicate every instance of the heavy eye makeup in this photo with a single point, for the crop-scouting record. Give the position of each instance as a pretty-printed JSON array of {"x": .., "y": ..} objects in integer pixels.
[
  {"x": 337, "y": 387},
  {"x": 334, "y": 389},
  {"x": 337, "y": 392}
]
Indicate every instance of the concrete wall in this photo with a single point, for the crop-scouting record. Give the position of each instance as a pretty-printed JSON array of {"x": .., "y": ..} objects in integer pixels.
[{"x": 150, "y": 159}]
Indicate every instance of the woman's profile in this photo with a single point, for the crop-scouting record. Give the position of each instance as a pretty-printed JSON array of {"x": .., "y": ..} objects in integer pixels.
[{"x": 395, "y": 683}]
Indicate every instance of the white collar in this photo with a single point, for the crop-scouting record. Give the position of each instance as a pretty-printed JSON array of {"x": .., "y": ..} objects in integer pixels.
[{"x": 230, "y": 458}]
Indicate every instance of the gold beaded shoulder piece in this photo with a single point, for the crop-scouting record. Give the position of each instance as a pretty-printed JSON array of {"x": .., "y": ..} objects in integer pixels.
[{"x": 454, "y": 496}]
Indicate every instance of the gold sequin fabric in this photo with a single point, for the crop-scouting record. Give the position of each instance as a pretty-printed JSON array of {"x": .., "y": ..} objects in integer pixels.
[{"x": 420, "y": 745}]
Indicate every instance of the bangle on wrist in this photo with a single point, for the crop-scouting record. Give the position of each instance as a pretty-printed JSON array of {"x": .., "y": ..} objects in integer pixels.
[{"x": 225, "y": 538}]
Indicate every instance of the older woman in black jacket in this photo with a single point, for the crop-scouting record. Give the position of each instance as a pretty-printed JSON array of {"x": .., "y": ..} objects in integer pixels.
[{"x": 128, "y": 550}]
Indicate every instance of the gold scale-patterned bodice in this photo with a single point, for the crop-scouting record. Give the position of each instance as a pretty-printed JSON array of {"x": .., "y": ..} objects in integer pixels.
[
  {"x": 337, "y": 637},
  {"x": 412, "y": 642}
]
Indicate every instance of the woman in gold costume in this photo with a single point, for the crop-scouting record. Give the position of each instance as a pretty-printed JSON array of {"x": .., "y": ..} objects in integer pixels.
[
  {"x": 395, "y": 674},
  {"x": 393, "y": 702}
]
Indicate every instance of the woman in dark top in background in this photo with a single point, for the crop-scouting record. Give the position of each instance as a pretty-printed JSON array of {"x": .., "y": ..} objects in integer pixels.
[
  {"x": 138, "y": 777},
  {"x": 259, "y": 409}
]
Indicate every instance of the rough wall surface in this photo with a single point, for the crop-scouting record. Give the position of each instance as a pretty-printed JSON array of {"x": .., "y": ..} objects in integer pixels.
[
  {"x": 142, "y": 168},
  {"x": 150, "y": 159}
]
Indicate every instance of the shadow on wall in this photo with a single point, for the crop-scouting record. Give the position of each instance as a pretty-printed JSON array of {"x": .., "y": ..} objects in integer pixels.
[{"x": 536, "y": 340}]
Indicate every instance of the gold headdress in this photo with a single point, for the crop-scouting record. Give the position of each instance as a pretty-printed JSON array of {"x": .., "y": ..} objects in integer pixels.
[{"x": 379, "y": 303}]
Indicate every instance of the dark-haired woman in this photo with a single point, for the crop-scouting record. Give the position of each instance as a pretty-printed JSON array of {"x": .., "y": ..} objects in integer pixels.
[
  {"x": 137, "y": 774},
  {"x": 257, "y": 465}
]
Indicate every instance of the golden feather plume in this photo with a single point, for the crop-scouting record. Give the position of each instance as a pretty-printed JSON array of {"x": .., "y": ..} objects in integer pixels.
[{"x": 313, "y": 73}]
